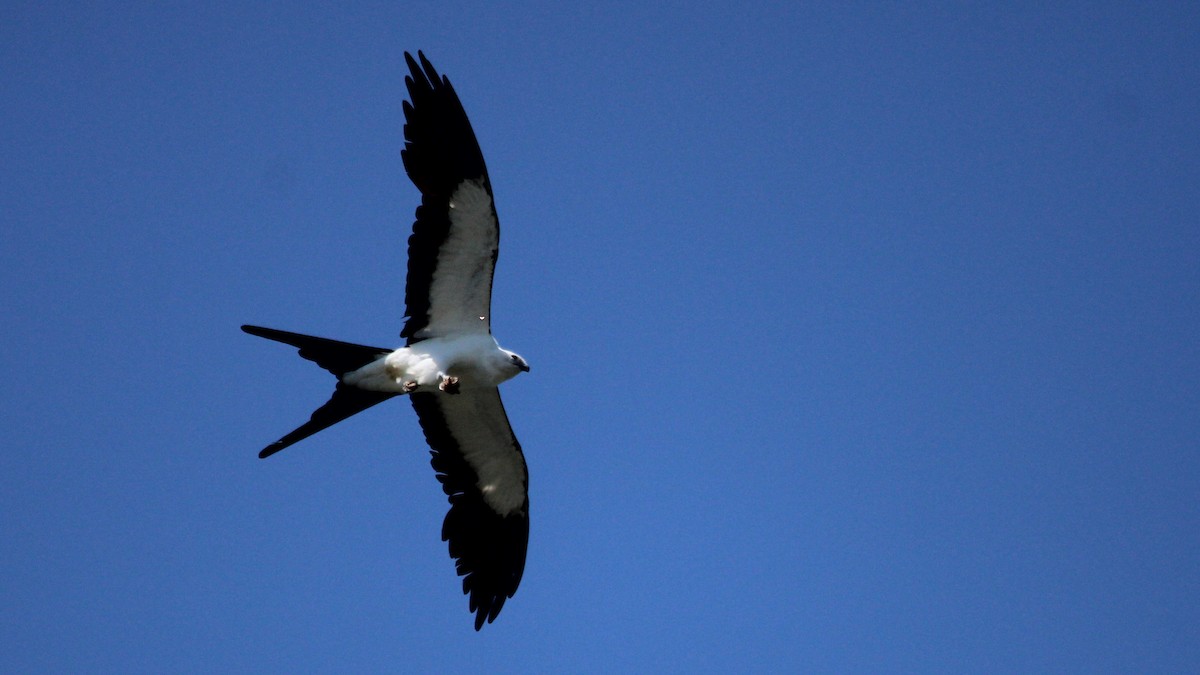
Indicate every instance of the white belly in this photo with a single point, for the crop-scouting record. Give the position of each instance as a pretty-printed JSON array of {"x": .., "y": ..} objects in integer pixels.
[{"x": 470, "y": 358}]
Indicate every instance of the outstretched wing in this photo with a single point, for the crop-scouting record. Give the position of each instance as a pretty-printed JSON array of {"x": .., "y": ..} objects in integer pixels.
[
  {"x": 455, "y": 241},
  {"x": 482, "y": 470}
]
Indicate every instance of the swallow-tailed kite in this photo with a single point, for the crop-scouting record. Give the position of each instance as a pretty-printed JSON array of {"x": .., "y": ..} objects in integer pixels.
[{"x": 450, "y": 365}]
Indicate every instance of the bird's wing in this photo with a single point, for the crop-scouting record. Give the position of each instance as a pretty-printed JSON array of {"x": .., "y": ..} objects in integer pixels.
[
  {"x": 482, "y": 470},
  {"x": 455, "y": 240}
]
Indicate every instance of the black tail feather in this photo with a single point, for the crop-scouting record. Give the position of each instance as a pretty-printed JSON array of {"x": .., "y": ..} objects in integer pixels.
[
  {"x": 338, "y": 358},
  {"x": 345, "y": 402},
  {"x": 335, "y": 356}
]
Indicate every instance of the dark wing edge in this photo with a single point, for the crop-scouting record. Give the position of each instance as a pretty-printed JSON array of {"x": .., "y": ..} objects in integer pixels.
[
  {"x": 440, "y": 153},
  {"x": 488, "y": 547}
]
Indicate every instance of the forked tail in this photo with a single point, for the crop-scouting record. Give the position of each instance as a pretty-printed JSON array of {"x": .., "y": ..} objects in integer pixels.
[{"x": 338, "y": 358}]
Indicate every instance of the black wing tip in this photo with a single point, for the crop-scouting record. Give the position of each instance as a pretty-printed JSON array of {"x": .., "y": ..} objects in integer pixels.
[
  {"x": 421, "y": 65},
  {"x": 422, "y": 71},
  {"x": 486, "y": 608},
  {"x": 482, "y": 616},
  {"x": 488, "y": 584}
]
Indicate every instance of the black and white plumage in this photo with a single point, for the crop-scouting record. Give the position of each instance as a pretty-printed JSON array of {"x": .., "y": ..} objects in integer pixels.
[{"x": 450, "y": 366}]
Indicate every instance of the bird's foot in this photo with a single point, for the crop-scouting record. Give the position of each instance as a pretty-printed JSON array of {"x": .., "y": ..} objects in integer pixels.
[
  {"x": 410, "y": 386},
  {"x": 449, "y": 384}
]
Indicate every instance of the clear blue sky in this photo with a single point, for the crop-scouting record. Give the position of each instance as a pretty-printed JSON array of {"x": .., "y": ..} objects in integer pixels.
[{"x": 864, "y": 337}]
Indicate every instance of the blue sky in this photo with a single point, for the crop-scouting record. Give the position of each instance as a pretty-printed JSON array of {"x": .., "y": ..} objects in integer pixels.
[{"x": 864, "y": 336}]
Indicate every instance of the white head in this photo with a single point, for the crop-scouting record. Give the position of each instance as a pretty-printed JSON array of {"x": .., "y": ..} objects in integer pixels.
[{"x": 515, "y": 363}]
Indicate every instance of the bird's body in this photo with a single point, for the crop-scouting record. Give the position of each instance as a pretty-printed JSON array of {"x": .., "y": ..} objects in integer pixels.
[
  {"x": 474, "y": 359},
  {"x": 451, "y": 364}
]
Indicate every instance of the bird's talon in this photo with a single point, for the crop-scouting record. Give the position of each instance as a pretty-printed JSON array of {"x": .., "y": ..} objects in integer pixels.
[{"x": 449, "y": 384}]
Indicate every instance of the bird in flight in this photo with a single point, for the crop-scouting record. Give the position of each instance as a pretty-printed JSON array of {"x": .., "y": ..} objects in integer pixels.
[{"x": 450, "y": 366}]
